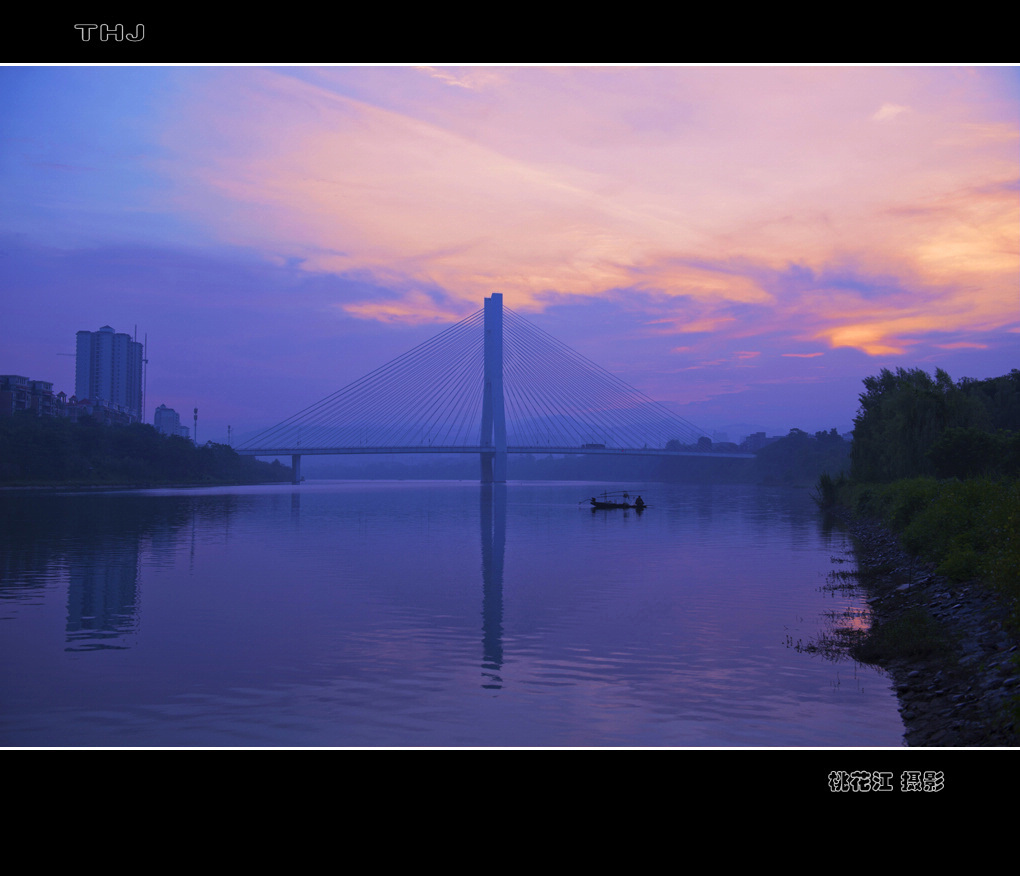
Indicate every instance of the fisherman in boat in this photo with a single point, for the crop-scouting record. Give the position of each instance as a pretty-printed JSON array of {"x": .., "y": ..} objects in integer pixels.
[{"x": 639, "y": 503}]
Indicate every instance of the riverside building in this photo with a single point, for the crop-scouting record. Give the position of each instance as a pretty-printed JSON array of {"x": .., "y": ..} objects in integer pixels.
[
  {"x": 168, "y": 422},
  {"x": 108, "y": 371}
]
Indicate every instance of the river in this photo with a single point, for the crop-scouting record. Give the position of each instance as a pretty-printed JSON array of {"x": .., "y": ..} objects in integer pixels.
[{"x": 428, "y": 614}]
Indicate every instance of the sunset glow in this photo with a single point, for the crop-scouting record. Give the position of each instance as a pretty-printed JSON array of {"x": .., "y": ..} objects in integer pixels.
[{"x": 744, "y": 244}]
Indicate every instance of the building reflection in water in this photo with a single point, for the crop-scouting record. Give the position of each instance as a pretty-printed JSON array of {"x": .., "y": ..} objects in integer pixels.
[
  {"x": 95, "y": 543},
  {"x": 102, "y": 596}
]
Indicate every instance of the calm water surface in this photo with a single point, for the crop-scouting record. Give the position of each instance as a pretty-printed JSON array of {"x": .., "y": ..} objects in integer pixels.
[{"x": 427, "y": 613}]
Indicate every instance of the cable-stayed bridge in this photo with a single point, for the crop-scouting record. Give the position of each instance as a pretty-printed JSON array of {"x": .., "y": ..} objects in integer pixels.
[{"x": 492, "y": 384}]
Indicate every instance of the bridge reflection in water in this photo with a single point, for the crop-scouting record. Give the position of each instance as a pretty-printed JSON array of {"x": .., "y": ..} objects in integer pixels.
[{"x": 493, "y": 525}]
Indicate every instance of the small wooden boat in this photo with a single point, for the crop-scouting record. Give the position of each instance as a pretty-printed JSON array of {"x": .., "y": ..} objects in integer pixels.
[{"x": 621, "y": 499}]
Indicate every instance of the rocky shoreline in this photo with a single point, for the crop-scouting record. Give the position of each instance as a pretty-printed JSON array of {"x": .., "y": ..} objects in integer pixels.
[{"x": 958, "y": 698}]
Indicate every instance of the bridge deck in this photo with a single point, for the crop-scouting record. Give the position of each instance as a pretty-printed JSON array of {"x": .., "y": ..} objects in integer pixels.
[{"x": 543, "y": 450}]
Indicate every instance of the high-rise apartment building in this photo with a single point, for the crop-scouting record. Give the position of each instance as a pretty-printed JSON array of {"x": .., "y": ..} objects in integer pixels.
[{"x": 108, "y": 371}]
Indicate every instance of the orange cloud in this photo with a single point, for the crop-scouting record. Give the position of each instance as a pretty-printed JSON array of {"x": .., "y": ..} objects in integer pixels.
[{"x": 415, "y": 309}]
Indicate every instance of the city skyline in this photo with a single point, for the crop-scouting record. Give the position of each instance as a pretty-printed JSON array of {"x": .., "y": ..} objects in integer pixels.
[{"x": 745, "y": 245}]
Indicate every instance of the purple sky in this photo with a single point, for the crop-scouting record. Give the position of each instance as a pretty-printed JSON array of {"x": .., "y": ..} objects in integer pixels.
[{"x": 744, "y": 244}]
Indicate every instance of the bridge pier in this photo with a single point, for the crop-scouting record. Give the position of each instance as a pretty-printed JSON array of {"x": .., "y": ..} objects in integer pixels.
[
  {"x": 295, "y": 465},
  {"x": 493, "y": 412}
]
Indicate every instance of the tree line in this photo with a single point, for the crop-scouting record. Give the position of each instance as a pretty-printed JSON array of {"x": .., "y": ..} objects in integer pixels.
[
  {"x": 54, "y": 450},
  {"x": 911, "y": 424}
]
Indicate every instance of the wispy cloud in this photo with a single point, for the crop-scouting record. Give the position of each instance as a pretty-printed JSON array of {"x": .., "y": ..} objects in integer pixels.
[{"x": 889, "y": 111}]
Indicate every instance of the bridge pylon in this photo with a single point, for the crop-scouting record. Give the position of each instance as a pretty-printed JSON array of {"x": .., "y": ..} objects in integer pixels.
[{"x": 493, "y": 411}]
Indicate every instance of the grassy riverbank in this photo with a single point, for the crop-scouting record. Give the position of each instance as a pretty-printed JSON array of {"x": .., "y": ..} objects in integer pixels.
[
  {"x": 938, "y": 562},
  {"x": 933, "y": 501},
  {"x": 950, "y": 647},
  {"x": 968, "y": 530}
]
